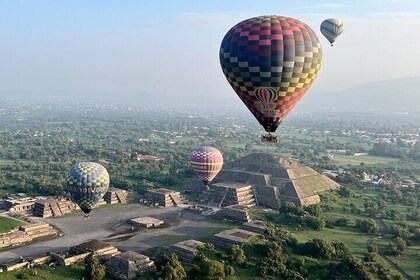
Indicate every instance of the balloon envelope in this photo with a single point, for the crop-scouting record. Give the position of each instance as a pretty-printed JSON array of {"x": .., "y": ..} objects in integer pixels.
[
  {"x": 331, "y": 28},
  {"x": 87, "y": 183},
  {"x": 206, "y": 163},
  {"x": 270, "y": 62}
]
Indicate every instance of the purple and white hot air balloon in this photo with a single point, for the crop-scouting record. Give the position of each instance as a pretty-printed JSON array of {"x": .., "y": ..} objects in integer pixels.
[{"x": 206, "y": 163}]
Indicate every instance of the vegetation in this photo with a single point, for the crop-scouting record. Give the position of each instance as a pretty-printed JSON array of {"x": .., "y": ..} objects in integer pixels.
[
  {"x": 341, "y": 238},
  {"x": 94, "y": 270},
  {"x": 46, "y": 273},
  {"x": 171, "y": 268},
  {"x": 6, "y": 224}
]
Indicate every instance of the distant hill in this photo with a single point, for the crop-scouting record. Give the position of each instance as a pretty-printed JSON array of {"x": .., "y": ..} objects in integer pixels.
[{"x": 388, "y": 95}]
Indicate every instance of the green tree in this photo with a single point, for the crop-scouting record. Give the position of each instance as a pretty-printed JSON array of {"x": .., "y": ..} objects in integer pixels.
[
  {"x": 94, "y": 270},
  {"x": 314, "y": 210},
  {"x": 172, "y": 268},
  {"x": 212, "y": 269},
  {"x": 236, "y": 255}
]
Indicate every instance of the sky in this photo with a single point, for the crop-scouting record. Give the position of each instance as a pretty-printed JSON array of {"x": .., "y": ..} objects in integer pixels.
[{"x": 171, "y": 47}]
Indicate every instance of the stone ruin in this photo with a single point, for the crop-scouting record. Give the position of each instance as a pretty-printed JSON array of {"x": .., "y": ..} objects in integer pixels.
[
  {"x": 266, "y": 180},
  {"x": 235, "y": 213},
  {"x": 53, "y": 207},
  {"x": 254, "y": 226},
  {"x": 79, "y": 252},
  {"x": 26, "y": 233},
  {"x": 226, "y": 193},
  {"x": 114, "y": 196},
  {"x": 129, "y": 265},
  {"x": 186, "y": 250},
  {"x": 227, "y": 238},
  {"x": 146, "y": 222},
  {"x": 164, "y": 197}
]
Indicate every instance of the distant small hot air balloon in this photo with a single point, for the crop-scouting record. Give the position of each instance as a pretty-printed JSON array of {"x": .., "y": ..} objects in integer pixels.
[
  {"x": 270, "y": 62},
  {"x": 206, "y": 162},
  {"x": 87, "y": 183},
  {"x": 331, "y": 28}
]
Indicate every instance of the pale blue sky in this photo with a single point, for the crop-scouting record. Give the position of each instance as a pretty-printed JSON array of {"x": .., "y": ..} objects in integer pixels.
[{"x": 169, "y": 47}]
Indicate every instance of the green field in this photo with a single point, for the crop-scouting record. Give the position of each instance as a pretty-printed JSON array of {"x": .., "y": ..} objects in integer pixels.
[
  {"x": 6, "y": 224},
  {"x": 46, "y": 273},
  {"x": 356, "y": 160}
]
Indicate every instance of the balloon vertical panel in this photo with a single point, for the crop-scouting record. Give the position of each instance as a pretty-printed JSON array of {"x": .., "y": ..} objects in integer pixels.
[{"x": 270, "y": 54}]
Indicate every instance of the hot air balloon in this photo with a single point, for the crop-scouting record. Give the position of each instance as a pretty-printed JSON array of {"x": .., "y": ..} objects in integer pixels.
[
  {"x": 331, "y": 28},
  {"x": 87, "y": 183},
  {"x": 206, "y": 163},
  {"x": 270, "y": 62}
]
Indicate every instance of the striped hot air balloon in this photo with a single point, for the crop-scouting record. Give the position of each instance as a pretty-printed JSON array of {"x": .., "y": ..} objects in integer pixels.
[
  {"x": 87, "y": 183},
  {"x": 270, "y": 62},
  {"x": 331, "y": 28},
  {"x": 206, "y": 163}
]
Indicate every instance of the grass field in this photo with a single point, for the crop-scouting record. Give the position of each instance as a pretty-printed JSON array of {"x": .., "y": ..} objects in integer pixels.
[
  {"x": 46, "y": 273},
  {"x": 6, "y": 224},
  {"x": 356, "y": 160}
]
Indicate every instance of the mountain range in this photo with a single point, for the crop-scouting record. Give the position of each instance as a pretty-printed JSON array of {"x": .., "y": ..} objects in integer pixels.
[{"x": 389, "y": 95}]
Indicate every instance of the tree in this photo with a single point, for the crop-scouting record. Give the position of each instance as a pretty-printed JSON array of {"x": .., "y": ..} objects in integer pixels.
[
  {"x": 236, "y": 255},
  {"x": 212, "y": 269},
  {"x": 94, "y": 270},
  {"x": 318, "y": 248},
  {"x": 369, "y": 226},
  {"x": 314, "y": 210},
  {"x": 341, "y": 222},
  {"x": 172, "y": 268},
  {"x": 397, "y": 247}
]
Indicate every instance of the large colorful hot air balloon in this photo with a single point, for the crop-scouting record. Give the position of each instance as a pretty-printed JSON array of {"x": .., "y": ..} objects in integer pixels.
[
  {"x": 206, "y": 162},
  {"x": 270, "y": 62},
  {"x": 331, "y": 28},
  {"x": 87, "y": 183}
]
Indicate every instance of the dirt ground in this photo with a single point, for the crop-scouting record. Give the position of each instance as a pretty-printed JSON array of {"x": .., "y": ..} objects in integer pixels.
[{"x": 110, "y": 224}]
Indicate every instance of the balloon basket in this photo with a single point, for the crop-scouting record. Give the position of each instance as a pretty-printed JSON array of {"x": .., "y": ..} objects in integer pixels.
[
  {"x": 268, "y": 138},
  {"x": 86, "y": 216}
]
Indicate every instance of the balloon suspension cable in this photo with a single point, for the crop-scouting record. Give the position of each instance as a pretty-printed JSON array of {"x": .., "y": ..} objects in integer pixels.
[{"x": 86, "y": 216}]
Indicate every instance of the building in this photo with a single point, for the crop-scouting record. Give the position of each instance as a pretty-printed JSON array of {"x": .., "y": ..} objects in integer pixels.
[
  {"x": 17, "y": 202},
  {"x": 164, "y": 197},
  {"x": 254, "y": 226},
  {"x": 148, "y": 157},
  {"x": 25, "y": 234},
  {"x": 146, "y": 222},
  {"x": 114, "y": 195},
  {"x": 235, "y": 213},
  {"x": 186, "y": 250},
  {"x": 227, "y": 238},
  {"x": 228, "y": 193},
  {"x": 129, "y": 265},
  {"x": 96, "y": 247},
  {"x": 53, "y": 207},
  {"x": 266, "y": 180},
  {"x": 79, "y": 252}
]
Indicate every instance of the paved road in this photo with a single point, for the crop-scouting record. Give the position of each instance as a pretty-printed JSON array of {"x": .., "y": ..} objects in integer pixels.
[
  {"x": 106, "y": 224},
  {"x": 384, "y": 230}
]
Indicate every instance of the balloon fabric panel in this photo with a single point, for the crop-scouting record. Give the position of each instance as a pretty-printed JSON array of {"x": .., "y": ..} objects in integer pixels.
[
  {"x": 206, "y": 162},
  {"x": 331, "y": 29},
  {"x": 87, "y": 183},
  {"x": 270, "y": 54}
]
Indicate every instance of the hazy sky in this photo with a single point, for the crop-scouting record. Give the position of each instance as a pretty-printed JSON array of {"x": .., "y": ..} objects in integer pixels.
[{"x": 171, "y": 47}]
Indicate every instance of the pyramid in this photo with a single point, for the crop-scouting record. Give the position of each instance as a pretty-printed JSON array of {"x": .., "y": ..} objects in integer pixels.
[{"x": 273, "y": 179}]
